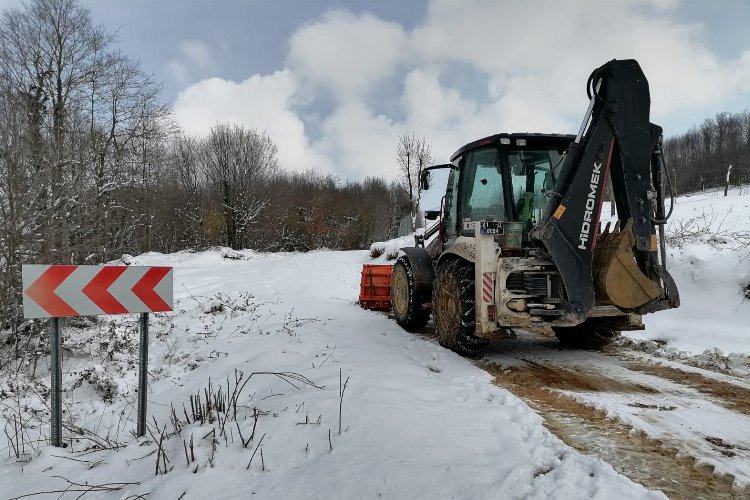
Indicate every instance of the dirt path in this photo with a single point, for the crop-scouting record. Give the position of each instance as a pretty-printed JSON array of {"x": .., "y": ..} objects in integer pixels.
[
  {"x": 630, "y": 412},
  {"x": 591, "y": 431},
  {"x": 685, "y": 432}
]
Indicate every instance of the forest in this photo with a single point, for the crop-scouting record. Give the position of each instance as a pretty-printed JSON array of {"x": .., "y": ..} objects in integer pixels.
[{"x": 710, "y": 155}]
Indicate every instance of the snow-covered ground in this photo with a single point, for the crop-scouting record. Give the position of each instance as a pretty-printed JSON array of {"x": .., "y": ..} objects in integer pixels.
[
  {"x": 709, "y": 258},
  {"x": 343, "y": 403},
  {"x": 417, "y": 421},
  {"x": 713, "y": 274}
]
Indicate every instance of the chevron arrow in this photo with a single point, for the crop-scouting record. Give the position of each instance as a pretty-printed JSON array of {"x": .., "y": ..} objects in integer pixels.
[
  {"x": 42, "y": 291},
  {"x": 145, "y": 289},
  {"x": 96, "y": 290}
]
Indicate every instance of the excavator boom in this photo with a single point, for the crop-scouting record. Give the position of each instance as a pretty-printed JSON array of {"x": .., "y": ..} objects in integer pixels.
[{"x": 616, "y": 141}]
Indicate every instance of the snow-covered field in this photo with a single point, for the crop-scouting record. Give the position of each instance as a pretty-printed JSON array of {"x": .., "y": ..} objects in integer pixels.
[
  {"x": 343, "y": 403},
  {"x": 709, "y": 259}
]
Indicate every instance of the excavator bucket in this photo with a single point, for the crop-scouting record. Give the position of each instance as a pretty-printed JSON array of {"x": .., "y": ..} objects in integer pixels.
[{"x": 617, "y": 278}]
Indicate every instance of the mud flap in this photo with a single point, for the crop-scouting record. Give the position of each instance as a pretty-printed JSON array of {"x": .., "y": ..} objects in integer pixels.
[
  {"x": 421, "y": 265},
  {"x": 617, "y": 278}
]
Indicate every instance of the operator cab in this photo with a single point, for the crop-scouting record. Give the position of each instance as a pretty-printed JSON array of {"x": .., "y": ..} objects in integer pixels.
[{"x": 505, "y": 177}]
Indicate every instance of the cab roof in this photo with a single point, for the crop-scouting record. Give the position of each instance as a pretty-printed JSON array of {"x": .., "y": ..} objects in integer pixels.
[{"x": 561, "y": 139}]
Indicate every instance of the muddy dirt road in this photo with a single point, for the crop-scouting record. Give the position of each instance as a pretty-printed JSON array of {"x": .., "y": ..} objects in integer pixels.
[{"x": 666, "y": 425}]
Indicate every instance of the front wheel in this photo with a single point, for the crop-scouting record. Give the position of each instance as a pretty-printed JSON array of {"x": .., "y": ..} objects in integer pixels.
[
  {"x": 408, "y": 304},
  {"x": 588, "y": 335},
  {"x": 453, "y": 308}
]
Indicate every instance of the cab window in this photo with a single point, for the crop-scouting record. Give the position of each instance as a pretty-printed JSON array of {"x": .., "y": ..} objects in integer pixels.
[
  {"x": 482, "y": 186},
  {"x": 531, "y": 175}
]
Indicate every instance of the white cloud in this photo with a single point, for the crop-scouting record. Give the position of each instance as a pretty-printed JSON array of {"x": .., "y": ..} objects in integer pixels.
[
  {"x": 195, "y": 59},
  {"x": 743, "y": 71},
  {"x": 542, "y": 52},
  {"x": 262, "y": 102},
  {"x": 360, "y": 143},
  {"x": 449, "y": 119},
  {"x": 346, "y": 53},
  {"x": 429, "y": 104},
  {"x": 178, "y": 70},
  {"x": 198, "y": 53}
]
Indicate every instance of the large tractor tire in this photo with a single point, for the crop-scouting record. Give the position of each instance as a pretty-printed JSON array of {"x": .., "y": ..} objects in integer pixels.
[
  {"x": 453, "y": 308},
  {"x": 590, "y": 335},
  {"x": 408, "y": 304}
]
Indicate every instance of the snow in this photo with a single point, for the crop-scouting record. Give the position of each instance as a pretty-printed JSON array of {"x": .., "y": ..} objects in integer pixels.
[
  {"x": 417, "y": 420},
  {"x": 709, "y": 259},
  {"x": 682, "y": 420},
  {"x": 385, "y": 251}
]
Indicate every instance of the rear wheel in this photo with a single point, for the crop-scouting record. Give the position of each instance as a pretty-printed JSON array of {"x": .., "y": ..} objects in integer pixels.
[
  {"x": 588, "y": 335},
  {"x": 453, "y": 308},
  {"x": 408, "y": 304}
]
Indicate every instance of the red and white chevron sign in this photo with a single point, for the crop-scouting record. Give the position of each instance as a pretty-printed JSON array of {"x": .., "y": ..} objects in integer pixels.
[{"x": 58, "y": 291}]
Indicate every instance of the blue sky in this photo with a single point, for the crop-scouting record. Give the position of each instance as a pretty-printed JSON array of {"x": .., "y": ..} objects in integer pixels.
[{"x": 335, "y": 82}]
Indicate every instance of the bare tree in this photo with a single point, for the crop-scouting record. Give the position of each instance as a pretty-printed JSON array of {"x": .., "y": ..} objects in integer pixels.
[
  {"x": 48, "y": 55},
  {"x": 81, "y": 127},
  {"x": 413, "y": 156},
  {"x": 237, "y": 160},
  {"x": 183, "y": 200}
]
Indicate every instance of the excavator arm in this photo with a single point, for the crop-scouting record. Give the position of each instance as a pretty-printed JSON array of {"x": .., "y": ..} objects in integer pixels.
[{"x": 616, "y": 141}]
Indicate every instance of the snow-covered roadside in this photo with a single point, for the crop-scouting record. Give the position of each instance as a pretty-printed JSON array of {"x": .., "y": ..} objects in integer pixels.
[
  {"x": 709, "y": 258},
  {"x": 416, "y": 420}
]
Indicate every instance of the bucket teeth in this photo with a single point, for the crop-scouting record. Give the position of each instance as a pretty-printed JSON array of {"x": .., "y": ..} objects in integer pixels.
[{"x": 617, "y": 278}]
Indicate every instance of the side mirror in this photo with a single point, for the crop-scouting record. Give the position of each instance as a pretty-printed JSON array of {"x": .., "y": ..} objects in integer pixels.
[
  {"x": 431, "y": 214},
  {"x": 424, "y": 180}
]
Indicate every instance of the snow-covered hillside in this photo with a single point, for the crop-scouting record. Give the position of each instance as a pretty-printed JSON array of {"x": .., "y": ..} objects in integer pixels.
[
  {"x": 709, "y": 258},
  {"x": 342, "y": 403}
]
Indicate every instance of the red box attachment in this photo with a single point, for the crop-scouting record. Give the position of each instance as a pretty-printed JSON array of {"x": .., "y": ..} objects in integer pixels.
[{"x": 375, "y": 287}]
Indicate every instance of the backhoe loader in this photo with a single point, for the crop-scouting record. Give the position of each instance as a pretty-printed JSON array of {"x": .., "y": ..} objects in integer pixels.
[{"x": 518, "y": 241}]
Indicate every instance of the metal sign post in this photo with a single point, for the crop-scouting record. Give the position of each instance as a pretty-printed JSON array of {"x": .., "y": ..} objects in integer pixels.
[
  {"x": 143, "y": 376},
  {"x": 56, "y": 382},
  {"x": 59, "y": 291}
]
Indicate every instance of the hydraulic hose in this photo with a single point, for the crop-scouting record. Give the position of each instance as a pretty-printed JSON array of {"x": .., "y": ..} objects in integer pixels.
[
  {"x": 665, "y": 171},
  {"x": 591, "y": 87}
]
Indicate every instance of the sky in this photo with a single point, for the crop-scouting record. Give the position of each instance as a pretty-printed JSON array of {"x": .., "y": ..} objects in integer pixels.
[{"x": 334, "y": 82}]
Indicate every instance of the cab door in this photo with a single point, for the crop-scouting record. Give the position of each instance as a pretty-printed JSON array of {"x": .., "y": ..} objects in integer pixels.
[{"x": 450, "y": 208}]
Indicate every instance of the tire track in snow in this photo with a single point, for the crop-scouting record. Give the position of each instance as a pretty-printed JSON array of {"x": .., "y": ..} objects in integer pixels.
[
  {"x": 535, "y": 369},
  {"x": 591, "y": 431},
  {"x": 731, "y": 396}
]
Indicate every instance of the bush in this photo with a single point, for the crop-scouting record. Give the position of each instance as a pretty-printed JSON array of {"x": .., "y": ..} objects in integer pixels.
[{"x": 377, "y": 249}]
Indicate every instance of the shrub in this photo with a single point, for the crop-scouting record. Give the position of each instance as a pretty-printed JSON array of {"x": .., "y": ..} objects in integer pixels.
[{"x": 376, "y": 250}]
